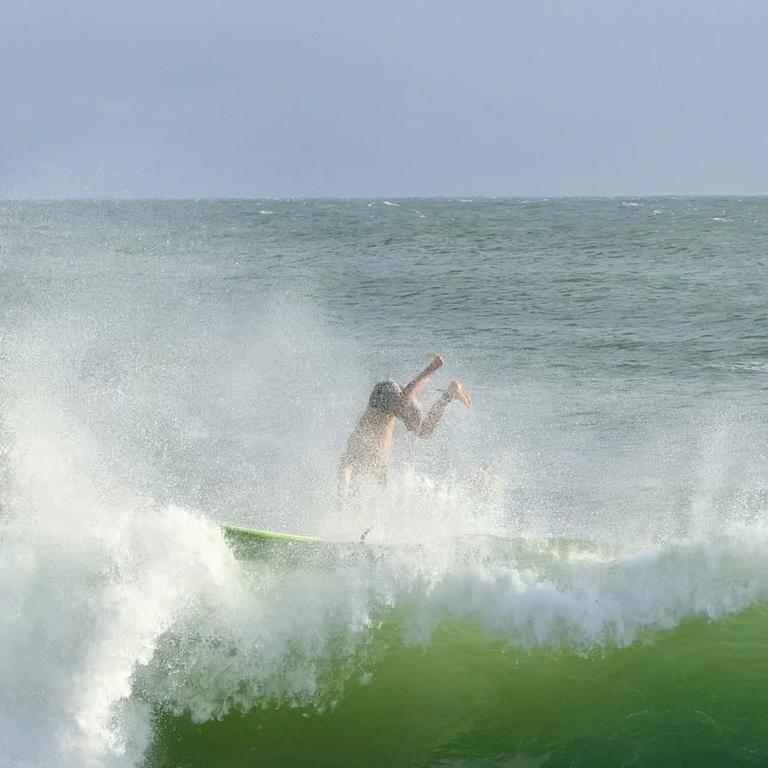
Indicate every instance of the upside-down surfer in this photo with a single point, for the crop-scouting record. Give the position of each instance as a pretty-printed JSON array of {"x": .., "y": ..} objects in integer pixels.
[{"x": 370, "y": 444}]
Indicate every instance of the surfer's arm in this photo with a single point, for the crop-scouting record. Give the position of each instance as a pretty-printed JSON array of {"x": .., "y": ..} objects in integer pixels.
[{"x": 418, "y": 384}]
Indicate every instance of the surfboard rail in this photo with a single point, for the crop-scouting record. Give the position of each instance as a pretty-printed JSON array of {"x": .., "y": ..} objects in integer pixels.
[{"x": 241, "y": 534}]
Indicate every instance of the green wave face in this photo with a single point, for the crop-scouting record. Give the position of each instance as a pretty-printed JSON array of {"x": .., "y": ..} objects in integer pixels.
[{"x": 691, "y": 696}]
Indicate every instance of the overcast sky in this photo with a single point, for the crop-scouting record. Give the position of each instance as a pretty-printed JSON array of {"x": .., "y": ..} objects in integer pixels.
[{"x": 252, "y": 98}]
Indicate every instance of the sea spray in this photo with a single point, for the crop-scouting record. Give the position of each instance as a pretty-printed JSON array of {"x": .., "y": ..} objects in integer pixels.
[
  {"x": 92, "y": 574},
  {"x": 85, "y": 603}
]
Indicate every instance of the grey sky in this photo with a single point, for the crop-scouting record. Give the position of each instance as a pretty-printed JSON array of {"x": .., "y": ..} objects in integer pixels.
[{"x": 254, "y": 98}]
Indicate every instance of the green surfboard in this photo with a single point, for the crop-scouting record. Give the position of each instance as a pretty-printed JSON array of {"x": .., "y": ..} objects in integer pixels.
[
  {"x": 248, "y": 543},
  {"x": 249, "y": 534}
]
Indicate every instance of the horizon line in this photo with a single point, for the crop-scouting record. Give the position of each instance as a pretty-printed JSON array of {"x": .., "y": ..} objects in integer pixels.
[{"x": 383, "y": 198}]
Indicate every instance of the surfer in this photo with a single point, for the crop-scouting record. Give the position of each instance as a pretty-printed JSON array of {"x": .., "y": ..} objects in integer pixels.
[{"x": 370, "y": 444}]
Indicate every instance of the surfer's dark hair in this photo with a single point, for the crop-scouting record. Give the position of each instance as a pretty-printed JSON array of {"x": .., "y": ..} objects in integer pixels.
[{"x": 385, "y": 396}]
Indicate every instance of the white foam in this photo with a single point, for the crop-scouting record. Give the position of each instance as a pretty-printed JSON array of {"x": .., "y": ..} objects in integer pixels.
[
  {"x": 91, "y": 575},
  {"x": 88, "y": 589}
]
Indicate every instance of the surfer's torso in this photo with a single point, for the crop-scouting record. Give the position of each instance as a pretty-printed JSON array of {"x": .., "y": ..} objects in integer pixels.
[{"x": 370, "y": 444}]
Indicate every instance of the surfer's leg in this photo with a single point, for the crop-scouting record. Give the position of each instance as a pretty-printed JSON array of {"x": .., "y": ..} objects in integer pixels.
[
  {"x": 435, "y": 416},
  {"x": 454, "y": 392},
  {"x": 418, "y": 384}
]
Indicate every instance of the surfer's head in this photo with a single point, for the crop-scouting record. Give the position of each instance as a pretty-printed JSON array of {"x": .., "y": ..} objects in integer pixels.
[{"x": 387, "y": 396}]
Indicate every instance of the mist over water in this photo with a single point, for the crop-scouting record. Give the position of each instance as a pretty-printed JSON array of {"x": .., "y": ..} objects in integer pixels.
[{"x": 169, "y": 367}]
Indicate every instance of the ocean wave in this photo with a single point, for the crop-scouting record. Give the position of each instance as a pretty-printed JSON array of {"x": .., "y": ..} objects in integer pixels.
[
  {"x": 139, "y": 609},
  {"x": 275, "y": 638},
  {"x": 352, "y": 627}
]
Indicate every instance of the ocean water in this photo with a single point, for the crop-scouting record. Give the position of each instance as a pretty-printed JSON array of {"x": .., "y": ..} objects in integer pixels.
[{"x": 574, "y": 572}]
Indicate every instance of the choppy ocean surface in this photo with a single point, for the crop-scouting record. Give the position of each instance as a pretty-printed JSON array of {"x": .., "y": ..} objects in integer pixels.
[{"x": 574, "y": 572}]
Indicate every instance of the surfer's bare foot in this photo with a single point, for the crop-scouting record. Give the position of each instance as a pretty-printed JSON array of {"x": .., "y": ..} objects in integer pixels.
[
  {"x": 458, "y": 392},
  {"x": 436, "y": 363}
]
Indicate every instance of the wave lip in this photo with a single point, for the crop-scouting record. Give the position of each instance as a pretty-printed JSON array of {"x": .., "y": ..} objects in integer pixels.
[{"x": 584, "y": 598}]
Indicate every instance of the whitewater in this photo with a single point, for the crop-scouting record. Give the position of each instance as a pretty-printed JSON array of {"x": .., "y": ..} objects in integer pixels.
[{"x": 572, "y": 572}]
